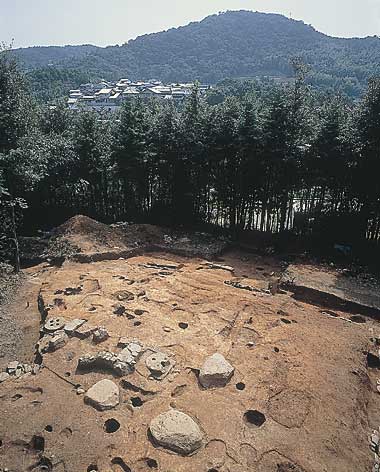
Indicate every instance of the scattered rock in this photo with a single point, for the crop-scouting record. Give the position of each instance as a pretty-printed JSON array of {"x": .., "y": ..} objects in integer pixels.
[
  {"x": 237, "y": 284},
  {"x": 215, "y": 372},
  {"x": 73, "y": 325},
  {"x": 120, "y": 364},
  {"x": 84, "y": 331},
  {"x": 159, "y": 365},
  {"x": 100, "y": 335},
  {"x": 43, "y": 344},
  {"x": 211, "y": 265},
  {"x": 57, "y": 341},
  {"x": 123, "y": 342},
  {"x": 176, "y": 431},
  {"x": 119, "y": 309},
  {"x": 153, "y": 265},
  {"x": 104, "y": 395},
  {"x": 124, "y": 295},
  {"x": 54, "y": 324},
  {"x": 12, "y": 367}
]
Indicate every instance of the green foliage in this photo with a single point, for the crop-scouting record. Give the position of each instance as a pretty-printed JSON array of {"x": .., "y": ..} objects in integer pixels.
[
  {"x": 239, "y": 44},
  {"x": 266, "y": 157}
]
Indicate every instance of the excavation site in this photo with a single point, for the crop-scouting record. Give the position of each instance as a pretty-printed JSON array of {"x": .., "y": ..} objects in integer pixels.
[{"x": 148, "y": 351}]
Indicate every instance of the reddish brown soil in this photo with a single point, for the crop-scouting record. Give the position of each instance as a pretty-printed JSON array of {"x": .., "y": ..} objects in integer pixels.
[{"x": 305, "y": 371}]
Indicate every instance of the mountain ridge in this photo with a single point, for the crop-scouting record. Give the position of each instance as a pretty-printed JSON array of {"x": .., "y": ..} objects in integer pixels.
[{"x": 232, "y": 44}]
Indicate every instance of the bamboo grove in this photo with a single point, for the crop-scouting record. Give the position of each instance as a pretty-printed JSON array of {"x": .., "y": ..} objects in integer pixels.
[{"x": 274, "y": 159}]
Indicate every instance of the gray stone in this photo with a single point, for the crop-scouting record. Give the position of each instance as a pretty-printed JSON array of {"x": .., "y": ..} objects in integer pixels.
[
  {"x": 159, "y": 365},
  {"x": 43, "y": 344},
  {"x": 4, "y": 376},
  {"x": 121, "y": 364},
  {"x": 72, "y": 325},
  {"x": 215, "y": 372},
  {"x": 12, "y": 367},
  {"x": 176, "y": 431},
  {"x": 104, "y": 395},
  {"x": 57, "y": 341},
  {"x": 54, "y": 324},
  {"x": 135, "y": 348},
  {"x": 123, "y": 342},
  {"x": 19, "y": 372},
  {"x": 212, "y": 265},
  {"x": 84, "y": 331},
  {"x": 100, "y": 335}
]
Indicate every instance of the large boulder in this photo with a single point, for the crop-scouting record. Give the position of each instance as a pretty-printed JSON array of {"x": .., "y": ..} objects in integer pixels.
[
  {"x": 104, "y": 395},
  {"x": 176, "y": 431},
  {"x": 215, "y": 372}
]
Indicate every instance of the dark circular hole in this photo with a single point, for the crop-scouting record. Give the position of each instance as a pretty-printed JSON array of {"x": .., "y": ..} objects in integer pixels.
[
  {"x": 136, "y": 401},
  {"x": 49, "y": 428},
  {"x": 276, "y": 349},
  {"x": 67, "y": 374},
  {"x": 1, "y": 442},
  {"x": 212, "y": 470},
  {"x": 38, "y": 443},
  {"x": 183, "y": 325},
  {"x": 137, "y": 323},
  {"x": 119, "y": 461},
  {"x": 254, "y": 417},
  {"x": 240, "y": 385},
  {"x": 92, "y": 468},
  {"x": 111, "y": 426},
  {"x": 152, "y": 464}
]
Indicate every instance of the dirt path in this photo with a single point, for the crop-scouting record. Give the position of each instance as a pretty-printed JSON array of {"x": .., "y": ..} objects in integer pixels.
[{"x": 20, "y": 319}]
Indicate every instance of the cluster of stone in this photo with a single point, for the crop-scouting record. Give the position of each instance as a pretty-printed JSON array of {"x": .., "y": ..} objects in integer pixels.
[
  {"x": 177, "y": 431},
  {"x": 120, "y": 364},
  {"x": 17, "y": 369},
  {"x": 57, "y": 332},
  {"x": 374, "y": 442}
]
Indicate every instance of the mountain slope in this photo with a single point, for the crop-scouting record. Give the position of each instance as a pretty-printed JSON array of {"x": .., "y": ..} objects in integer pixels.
[{"x": 232, "y": 44}]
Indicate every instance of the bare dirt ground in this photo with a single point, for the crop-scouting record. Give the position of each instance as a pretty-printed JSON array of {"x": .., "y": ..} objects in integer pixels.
[{"x": 302, "y": 373}]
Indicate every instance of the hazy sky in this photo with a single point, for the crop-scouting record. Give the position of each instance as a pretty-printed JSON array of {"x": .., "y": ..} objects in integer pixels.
[{"x": 102, "y": 22}]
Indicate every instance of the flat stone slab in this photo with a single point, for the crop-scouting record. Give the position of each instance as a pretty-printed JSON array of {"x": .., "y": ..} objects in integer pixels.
[
  {"x": 72, "y": 325},
  {"x": 104, "y": 395},
  {"x": 332, "y": 283},
  {"x": 215, "y": 372},
  {"x": 176, "y": 431}
]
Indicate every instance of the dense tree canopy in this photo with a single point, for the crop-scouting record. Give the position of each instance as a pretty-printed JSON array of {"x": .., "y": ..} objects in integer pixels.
[
  {"x": 238, "y": 44},
  {"x": 276, "y": 158}
]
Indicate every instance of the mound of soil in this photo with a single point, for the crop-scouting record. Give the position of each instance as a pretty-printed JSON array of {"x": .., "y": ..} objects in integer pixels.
[{"x": 92, "y": 236}]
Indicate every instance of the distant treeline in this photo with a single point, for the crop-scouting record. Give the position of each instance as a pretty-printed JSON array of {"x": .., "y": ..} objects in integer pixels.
[
  {"x": 274, "y": 159},
  {"x": 233, "y": 44}
]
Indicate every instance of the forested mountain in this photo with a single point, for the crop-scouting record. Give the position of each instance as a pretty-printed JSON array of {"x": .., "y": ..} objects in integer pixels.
[{"x": 234, "y": 44}]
